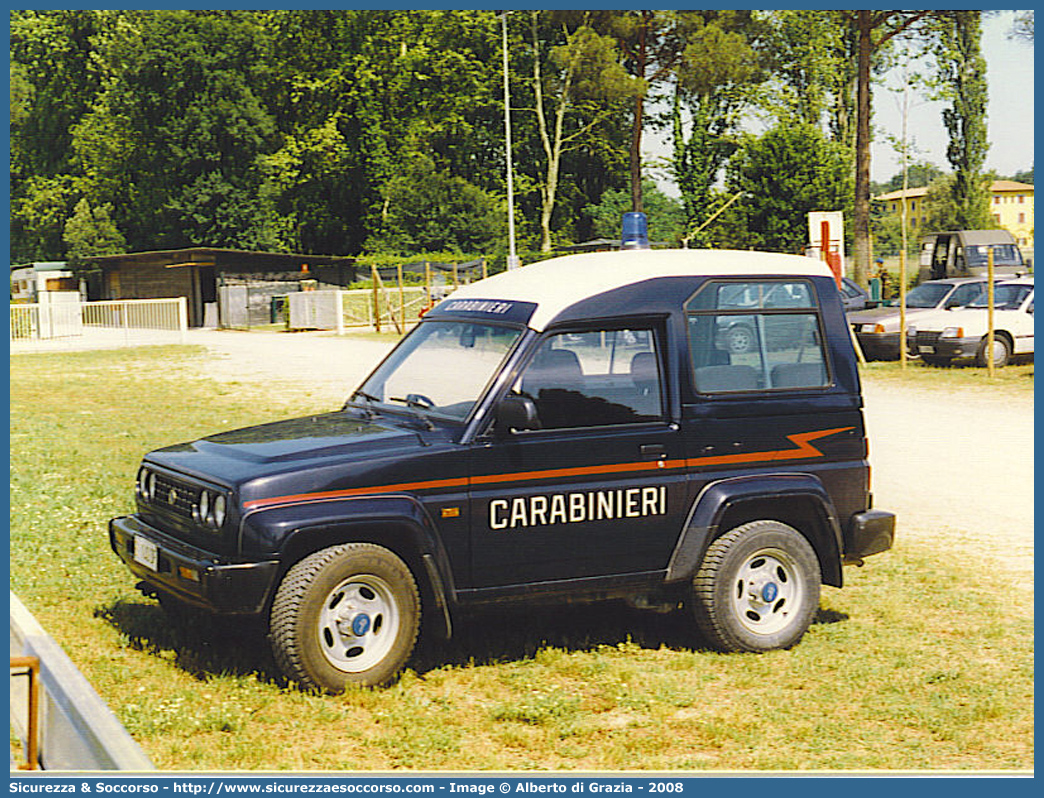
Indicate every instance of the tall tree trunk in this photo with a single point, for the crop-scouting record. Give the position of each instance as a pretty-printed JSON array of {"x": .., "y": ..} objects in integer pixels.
[
  {"x": 861, "y": 211},
  {"x": 641, "y": 62}
]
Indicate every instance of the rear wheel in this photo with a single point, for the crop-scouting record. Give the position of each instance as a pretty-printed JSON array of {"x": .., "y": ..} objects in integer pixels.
[
  {"x": 1001, "y": 352},
  {"x": 345, "y": 614},
  {"x": 757, "y": 588}
]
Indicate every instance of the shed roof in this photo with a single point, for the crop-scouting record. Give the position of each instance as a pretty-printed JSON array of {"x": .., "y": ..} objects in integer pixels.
[{"x": 216, "y": 256}]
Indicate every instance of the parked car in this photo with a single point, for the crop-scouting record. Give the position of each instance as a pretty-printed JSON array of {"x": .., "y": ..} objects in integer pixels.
[
  {"x": 853, "y": 295},
  {"x": 877, "y": 329},
  {"x": 948, "y": 335}
]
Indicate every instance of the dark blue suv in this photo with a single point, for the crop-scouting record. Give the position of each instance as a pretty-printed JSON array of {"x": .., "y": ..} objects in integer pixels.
[{"x": 580, "y": 429}]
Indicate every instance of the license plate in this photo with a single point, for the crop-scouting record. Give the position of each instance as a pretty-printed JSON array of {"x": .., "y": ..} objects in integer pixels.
[
  {"x": 146, "y": 553},
  {"x": 927, "y": 350}
]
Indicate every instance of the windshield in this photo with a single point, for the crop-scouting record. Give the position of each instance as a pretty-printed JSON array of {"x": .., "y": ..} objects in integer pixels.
[
  {"x": 1005, "y": 297},
  {"x": 441, "y": 368},
  {"x": 927, "y": 295},
  {"x": 1002, "y": 253}
]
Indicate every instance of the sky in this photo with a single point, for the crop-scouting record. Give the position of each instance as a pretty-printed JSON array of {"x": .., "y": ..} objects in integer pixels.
[
  {"x": 1009, "y": 65},
  {"x": 1009, "y": 76}
]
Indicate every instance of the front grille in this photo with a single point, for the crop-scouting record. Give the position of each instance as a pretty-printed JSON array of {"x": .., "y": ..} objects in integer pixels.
[
  {"x": 927, "y": 338},
  {"x": 175, "y": 495}
]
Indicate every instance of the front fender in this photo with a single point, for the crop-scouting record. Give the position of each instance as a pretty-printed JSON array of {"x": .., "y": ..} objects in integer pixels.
[
  {"x": 397, "y": 521},
  {"x": 727, "y": 497}
]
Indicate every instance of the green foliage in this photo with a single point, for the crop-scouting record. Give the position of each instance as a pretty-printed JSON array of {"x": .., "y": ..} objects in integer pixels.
[
  {"x": 810, "y": 54},
  {"x": 1025, "y": 176},
  {"x": 427, "y": 211},
  {"x": 963, "y": 71},
  {"x": 665, "y": 214},
  {"x": 90, "y": 231},
  {"x": 716, "y": 80},
  {"x": 918, "y": 175},
  {"x": 784, "y": 174}
]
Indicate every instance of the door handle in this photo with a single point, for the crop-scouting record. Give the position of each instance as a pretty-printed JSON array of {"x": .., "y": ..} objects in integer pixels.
[{"x": 653, "y": 451}]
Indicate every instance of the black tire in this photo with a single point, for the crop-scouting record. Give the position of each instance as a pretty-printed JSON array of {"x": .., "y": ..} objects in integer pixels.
[
  {"x": 1001, "y": 352},
  {"x": 348, "y": 614},
  {"x": 757, "y": 588},
  {"x": 739, "y": 339}
]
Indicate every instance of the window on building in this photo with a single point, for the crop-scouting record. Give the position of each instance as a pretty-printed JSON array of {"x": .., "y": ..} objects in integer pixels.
[
  {"x": 1022, "y": 197},
  {"x": 1022, "y": 218},
  {"x": 996, "y": 218}
]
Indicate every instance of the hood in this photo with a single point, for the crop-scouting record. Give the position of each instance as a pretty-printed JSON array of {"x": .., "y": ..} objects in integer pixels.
[
  {"x": 886, "y": 316},
  {"x": 230, "y": 457}
]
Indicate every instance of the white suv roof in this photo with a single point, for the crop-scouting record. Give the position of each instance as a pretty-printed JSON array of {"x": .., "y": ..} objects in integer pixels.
[{"x": 554, "y": 285}]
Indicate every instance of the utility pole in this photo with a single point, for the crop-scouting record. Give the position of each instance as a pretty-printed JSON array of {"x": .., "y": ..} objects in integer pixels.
[
  {"x": 512, "y": 259},
  {"x": 906, "y": 185}
]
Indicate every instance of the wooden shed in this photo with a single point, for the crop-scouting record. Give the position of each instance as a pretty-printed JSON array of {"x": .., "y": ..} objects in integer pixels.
[{"x": 224, "y": 287}]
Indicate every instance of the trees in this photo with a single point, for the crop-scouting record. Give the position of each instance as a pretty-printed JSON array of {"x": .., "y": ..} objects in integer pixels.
[
  {"x": 963, "y": 72},
  {"x": 575, "y": 84},
  {"x": 90, "y": 231},
  {"x": 874, "y": 29},
  {"x": 666, "y": 216},
  {"x": 784, "y": 174},
  {"x": 715, "y": 78}
]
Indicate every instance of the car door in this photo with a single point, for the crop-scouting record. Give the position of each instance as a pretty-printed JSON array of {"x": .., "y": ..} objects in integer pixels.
[{"x": 600, "y": 489}]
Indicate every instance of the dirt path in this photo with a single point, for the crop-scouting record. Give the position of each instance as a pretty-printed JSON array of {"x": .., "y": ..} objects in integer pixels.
[{"x": 957, "y": 468}]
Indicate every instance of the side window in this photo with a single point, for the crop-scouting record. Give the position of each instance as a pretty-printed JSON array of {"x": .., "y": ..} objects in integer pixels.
[
  {"x": 755, "y": 335},
  {"x": 595, "y": 378}
]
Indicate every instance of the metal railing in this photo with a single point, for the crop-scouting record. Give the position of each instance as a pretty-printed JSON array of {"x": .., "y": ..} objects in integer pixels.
[
  {"x": 107, "y": 323},
  {"x": 356, "y": 308},
  {"x": 68, "y": 727}
]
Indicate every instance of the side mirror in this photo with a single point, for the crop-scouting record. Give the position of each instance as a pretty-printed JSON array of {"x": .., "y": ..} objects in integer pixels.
[{"x": 516, "y": 413}]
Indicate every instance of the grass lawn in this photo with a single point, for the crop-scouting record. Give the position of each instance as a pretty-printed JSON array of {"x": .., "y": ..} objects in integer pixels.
[
  {"x": 1012, "y": 380},
  {"x": 924, "y": 661}
]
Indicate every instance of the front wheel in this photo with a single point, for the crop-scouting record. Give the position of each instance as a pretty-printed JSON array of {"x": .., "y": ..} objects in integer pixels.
[
  {"x": 757, "y": 588},
  {"x": 345, "y": 614},
  {"x": 1001, "y": 352}
]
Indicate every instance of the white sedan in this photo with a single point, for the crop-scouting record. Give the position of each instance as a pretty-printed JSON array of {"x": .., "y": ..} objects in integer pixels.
[{"x": 948, "y": 335}]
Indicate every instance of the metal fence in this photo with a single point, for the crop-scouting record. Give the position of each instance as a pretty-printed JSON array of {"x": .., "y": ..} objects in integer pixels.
[
  {"x": 50, "y": 325},
  {"x": 392, "y": 309},
  {"x": 74, "y": 729}
]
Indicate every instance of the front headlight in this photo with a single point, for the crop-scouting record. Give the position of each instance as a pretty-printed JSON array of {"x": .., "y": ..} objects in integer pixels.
[
  {"x": 873, "y": 328},
  {"x": 911, "y": 332},
  {"x": 203, "y": 508},
  {"x": 220, "y": 504},
  {"x": 953, "y": 332},
  {"x": 210, "y": 509}
]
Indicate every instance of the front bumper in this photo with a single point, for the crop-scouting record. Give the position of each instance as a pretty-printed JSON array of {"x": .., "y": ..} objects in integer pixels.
[
  {"x": 949, "y": 348},
  {"x": 869, "y": 532},
  {"x": 191, "y": 574},
  {"x": 879, "y": 346}
]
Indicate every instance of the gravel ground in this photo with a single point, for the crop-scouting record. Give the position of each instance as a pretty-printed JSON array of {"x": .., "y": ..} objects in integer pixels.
[{"x": 957, "y": 468}]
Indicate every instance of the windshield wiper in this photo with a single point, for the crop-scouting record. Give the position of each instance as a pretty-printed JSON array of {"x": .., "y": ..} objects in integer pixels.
[
  {"x": 415, "y": 407},
  {"x": 370, "y": 400}
]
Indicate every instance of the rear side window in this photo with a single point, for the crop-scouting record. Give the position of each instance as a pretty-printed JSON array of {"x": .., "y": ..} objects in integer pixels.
[{"x": 756, "y": 335}]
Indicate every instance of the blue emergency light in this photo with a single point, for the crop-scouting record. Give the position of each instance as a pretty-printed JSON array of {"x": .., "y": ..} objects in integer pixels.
[{"x": 635, "y": 234}]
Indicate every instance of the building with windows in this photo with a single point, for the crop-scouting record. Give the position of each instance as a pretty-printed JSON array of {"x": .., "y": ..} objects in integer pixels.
[{"x": 1011, "y": 204}]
